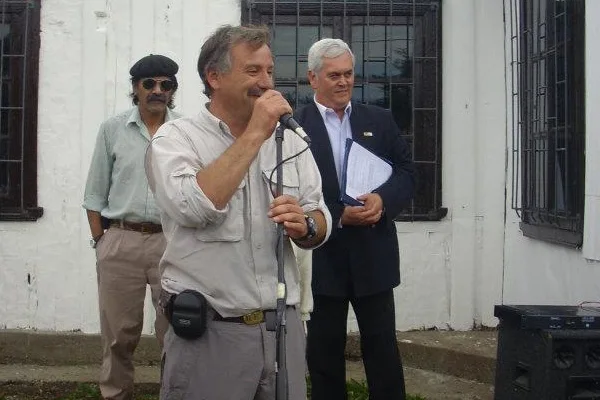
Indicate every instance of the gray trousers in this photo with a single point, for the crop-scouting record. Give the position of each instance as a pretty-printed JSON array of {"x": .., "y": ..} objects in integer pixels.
[{"x": 232, "y": 361}]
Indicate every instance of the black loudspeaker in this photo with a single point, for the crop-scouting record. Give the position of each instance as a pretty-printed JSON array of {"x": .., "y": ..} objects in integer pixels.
[{"x": 547, "y": 353}]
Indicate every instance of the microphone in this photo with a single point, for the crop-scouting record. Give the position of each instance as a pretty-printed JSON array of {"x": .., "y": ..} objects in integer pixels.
[{"x": 289, "y": 122}]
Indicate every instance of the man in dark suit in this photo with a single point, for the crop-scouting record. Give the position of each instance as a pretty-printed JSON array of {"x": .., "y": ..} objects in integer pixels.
[{"x": 360, "y": 262}]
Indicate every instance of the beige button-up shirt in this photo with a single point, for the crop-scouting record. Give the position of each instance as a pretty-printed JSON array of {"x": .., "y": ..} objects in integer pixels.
[{"x": 228, "y": 255}]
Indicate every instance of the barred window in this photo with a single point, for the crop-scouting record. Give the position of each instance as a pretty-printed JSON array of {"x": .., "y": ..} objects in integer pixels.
[
  {"x": 548, "y": 102},
  {"x": 19, "y": 55},
  {"x": 397, "y": 45}
]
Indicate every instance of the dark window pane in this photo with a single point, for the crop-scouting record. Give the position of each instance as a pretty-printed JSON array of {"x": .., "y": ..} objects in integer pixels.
[
  {"x": 401, "y": 32},
  {"x": 560, "y": 66},
  {"x": 285, "y": 67},
  {"x": 376, "y": 94},
  {"x": 10, "y": 184},
  {"x": 307, "y": 35},
  {"x": 401, "y": 64},
  {"x": 375, "y": 70},
  {"x": 425, "y": 137},
  {"x": 426, "y": 45},
  {"x": 401, "y": 107},
  {"x": 11, "y": 123},
  {"x": 376, "y": 41},
  {"x": 289, "y": 92},
  {"x": 4, "y": 143},
  {"x": 561, "y": 103},
  {"x": 357, "y": 45},
  {"x": 284, "y": 40},
  {"x": 13, "y": 78},
  {"x": 304, "y": 92},
  {"x": 425, "y": 81},
  {"x": 305, "y": 95},
  {"x": 4, "y": 181},
  {"x": 561, "y": 184},
  {"x": 424, "y": 199},
  {"x": 357, "y": 94},
  {"x": 302, "y": 70}
]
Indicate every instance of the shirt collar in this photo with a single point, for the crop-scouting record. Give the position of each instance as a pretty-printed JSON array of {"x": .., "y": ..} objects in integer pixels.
[
  {"x": 205, "y": 112},
  {"x": 136, "y": 118},
  {"x": 323, "y": 110}
]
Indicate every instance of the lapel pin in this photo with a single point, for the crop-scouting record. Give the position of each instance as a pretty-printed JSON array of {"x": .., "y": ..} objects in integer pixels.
[{"x": 367, "y": 134}]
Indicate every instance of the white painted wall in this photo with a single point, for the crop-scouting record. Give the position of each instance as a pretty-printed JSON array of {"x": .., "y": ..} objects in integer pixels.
[
  {"x": 453, "y": 271},
  {"x": 540, "y": 273}
]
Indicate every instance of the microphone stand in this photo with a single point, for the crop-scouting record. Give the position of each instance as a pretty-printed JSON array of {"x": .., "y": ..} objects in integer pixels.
[{"x": 281, "y": 373}]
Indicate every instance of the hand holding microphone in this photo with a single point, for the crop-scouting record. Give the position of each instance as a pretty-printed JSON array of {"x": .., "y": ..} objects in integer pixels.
[{"x": 271, "y": 103}]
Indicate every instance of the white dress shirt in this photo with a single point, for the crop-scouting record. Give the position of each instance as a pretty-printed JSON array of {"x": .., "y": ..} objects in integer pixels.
[{"x": 338, "y": 131}]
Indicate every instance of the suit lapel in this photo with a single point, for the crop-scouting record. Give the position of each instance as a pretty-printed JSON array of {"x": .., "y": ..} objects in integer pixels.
[{"x": 357, "y": 122}]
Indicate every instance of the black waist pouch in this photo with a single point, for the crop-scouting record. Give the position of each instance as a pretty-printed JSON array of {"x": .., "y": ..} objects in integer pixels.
[{"x": 187, "y": 314}]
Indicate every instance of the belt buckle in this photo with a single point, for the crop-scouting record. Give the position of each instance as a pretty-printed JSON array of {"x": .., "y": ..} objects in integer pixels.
[
  {"x": 254, "y": 318},
  {"x": 145, "y": 228}
]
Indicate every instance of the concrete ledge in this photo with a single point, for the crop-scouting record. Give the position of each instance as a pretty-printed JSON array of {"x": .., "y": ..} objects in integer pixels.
[
  {"x": 64, "y": 348},
  {"x": 468, "y": 355}
]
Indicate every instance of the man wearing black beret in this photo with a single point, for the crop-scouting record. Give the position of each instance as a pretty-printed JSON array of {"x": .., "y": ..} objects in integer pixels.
[{"x": 125, "y": 222}]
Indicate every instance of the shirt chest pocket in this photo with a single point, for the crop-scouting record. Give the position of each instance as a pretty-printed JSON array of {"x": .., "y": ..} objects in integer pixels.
[
  {"x": 231, "y": 229},
  {"x": 291, "y": 182}
]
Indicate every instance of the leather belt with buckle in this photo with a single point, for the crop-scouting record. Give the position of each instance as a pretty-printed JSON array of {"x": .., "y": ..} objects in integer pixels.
[
  {"x": 253, "y": 318},
  {"x": 142, "y": 227}
]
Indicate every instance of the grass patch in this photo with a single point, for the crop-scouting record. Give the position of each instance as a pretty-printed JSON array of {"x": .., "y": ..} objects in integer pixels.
[
  {"x": 84, "y": 391},
  {"x": 90, "y": 391}
]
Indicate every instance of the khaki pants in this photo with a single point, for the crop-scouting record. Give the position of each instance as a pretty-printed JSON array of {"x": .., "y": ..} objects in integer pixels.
[
  {"x": 232, "y": 361},
  {"x": 127, "y": 262}
]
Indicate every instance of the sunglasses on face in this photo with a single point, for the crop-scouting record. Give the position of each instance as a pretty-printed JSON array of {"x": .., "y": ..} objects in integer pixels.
[{"x": 165, "y": 86}]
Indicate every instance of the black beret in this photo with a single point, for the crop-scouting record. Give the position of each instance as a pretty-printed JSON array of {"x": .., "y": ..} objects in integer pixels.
[{"x": 154, "y": 65}]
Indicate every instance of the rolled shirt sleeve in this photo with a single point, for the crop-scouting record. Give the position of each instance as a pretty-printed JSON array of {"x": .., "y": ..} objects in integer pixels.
[
  {"x": 98, "y": 180},
  {"x": 171, "y": 168}
]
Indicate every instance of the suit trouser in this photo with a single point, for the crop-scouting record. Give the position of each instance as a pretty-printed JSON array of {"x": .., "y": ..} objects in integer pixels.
[
  {"x": 127, "y": 262},
  {"x": 233, "y": 361},
  {"x": 326, "y": 344}
]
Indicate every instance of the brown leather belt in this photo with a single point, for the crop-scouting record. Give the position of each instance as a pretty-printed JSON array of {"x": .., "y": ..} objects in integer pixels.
[
  {"x": 142, "y": 227},
  {"x": 253, "y": 318}
]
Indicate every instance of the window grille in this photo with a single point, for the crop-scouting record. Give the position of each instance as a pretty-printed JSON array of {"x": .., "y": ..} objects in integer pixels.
[
  {"x": 548, "y": 103},
  {"x": 397, "y": 45},
  {"x": 19, "y": 49}
]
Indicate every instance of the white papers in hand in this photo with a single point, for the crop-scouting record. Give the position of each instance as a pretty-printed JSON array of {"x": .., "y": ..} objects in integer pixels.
[{"x": 364, "y": 170}]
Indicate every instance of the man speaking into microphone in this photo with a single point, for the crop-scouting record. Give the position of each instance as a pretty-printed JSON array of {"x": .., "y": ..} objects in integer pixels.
[{"x": 211, "y": 175}]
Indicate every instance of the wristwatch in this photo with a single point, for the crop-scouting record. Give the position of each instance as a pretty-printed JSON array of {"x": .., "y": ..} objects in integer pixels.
[
  {"x": 94, "y": 241},
  {"x": 311, "y": 226}
]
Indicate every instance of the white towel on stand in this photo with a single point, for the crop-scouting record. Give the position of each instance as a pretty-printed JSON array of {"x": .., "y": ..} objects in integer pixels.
[{"x": 304, "y": 261}]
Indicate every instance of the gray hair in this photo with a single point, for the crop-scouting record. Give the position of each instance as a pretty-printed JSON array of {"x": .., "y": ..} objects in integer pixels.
[
  {"x": 328, "y": 48},
  {"x": 215, "y": 53}
]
